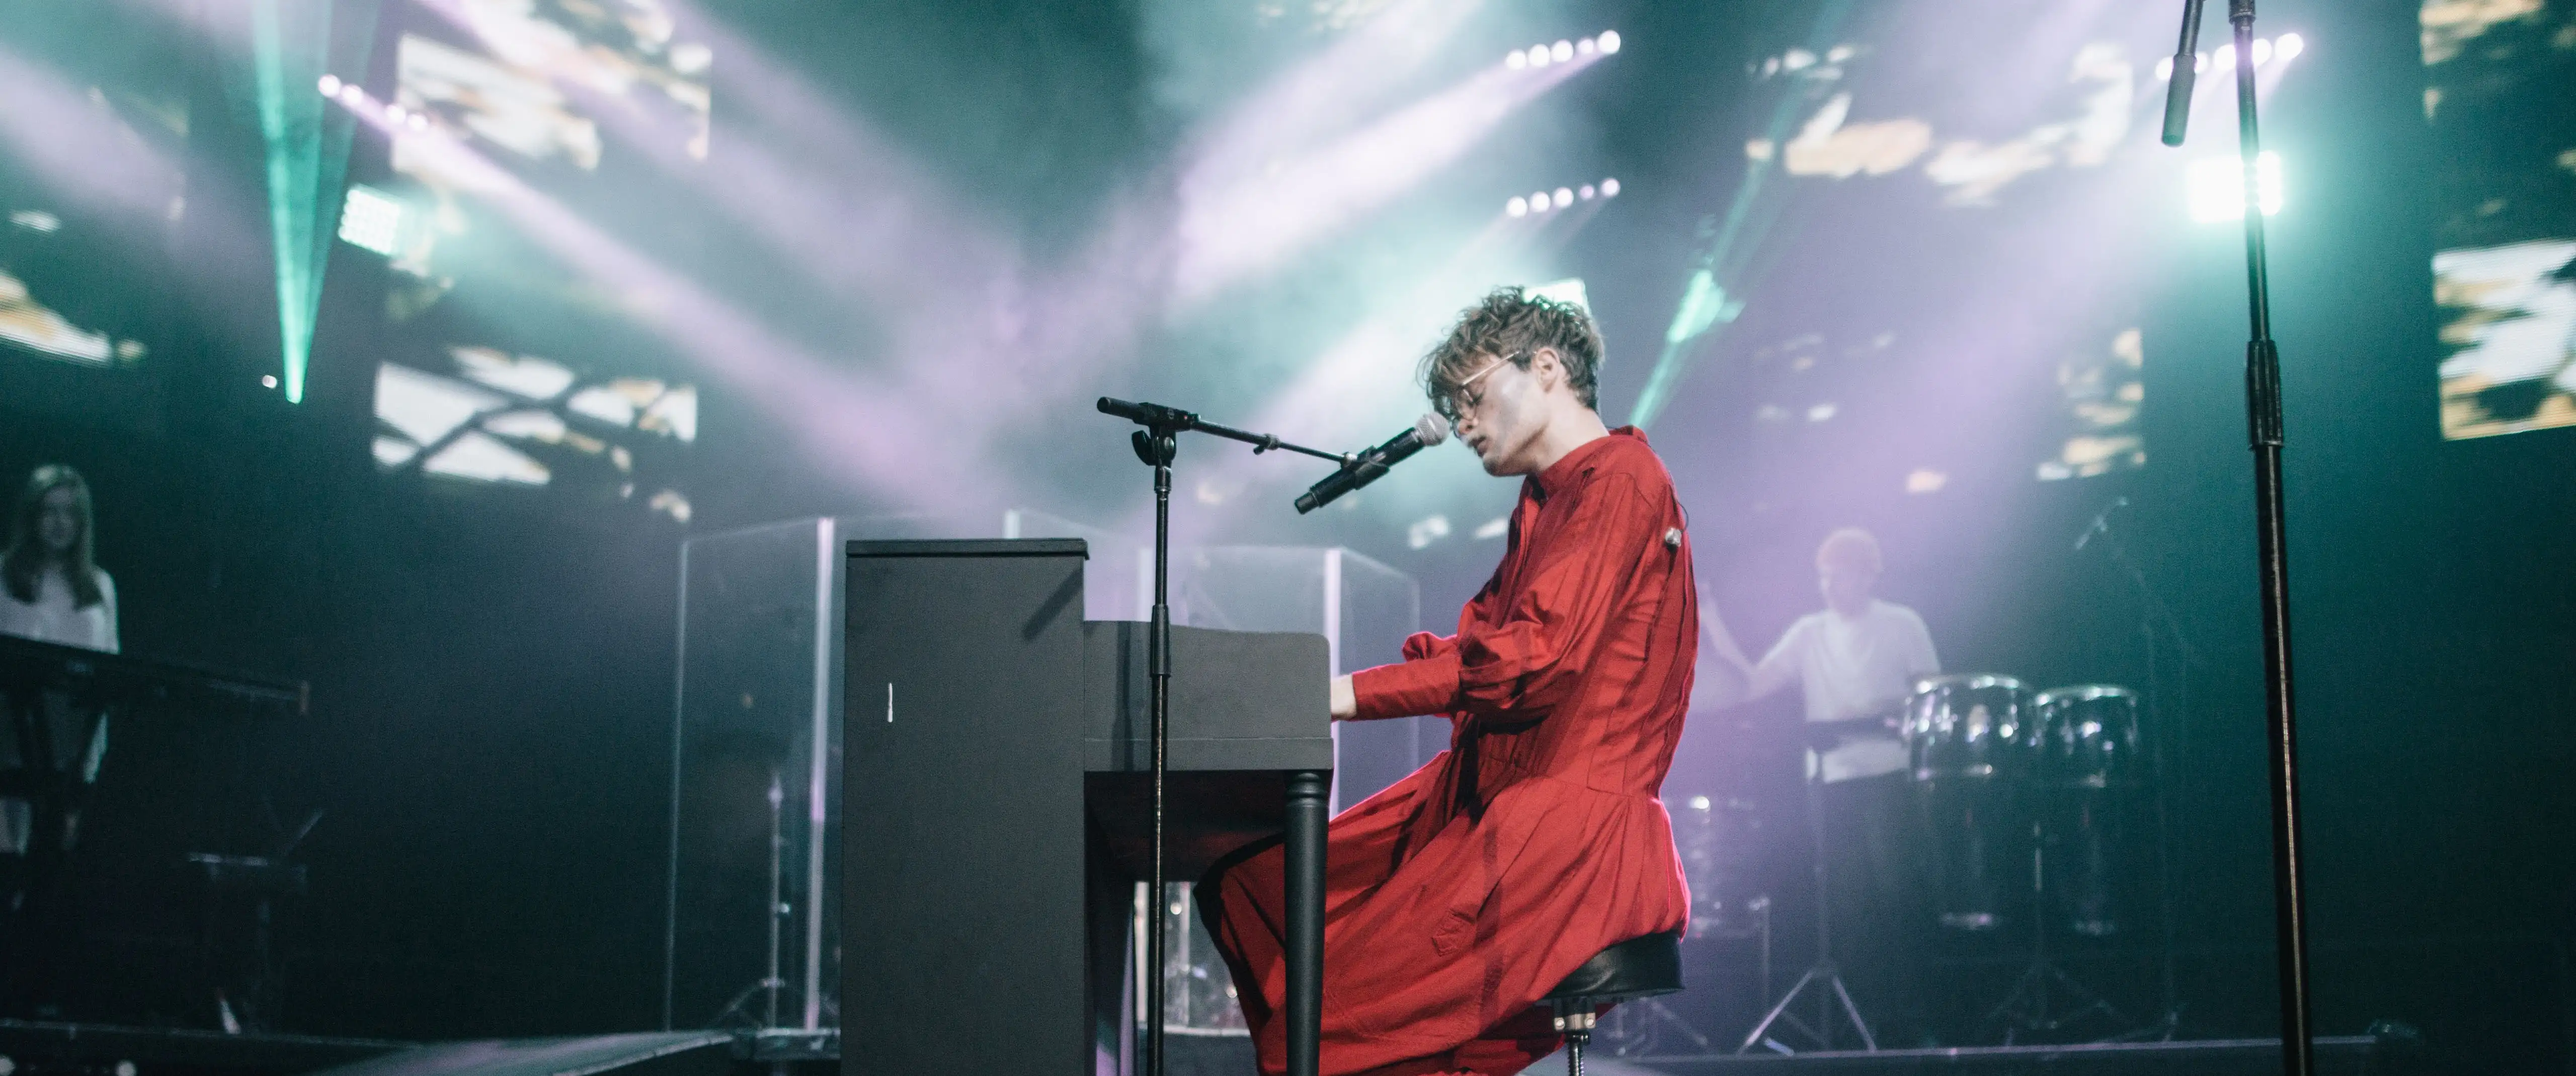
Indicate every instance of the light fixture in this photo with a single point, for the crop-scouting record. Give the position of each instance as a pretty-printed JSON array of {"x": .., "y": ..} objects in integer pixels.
[
  {"x": 2290, "y": 46},
  {"x": 1609, "y": 188},
  {"x": 371, "y": 219},
  {"x": 2216, "y": 187},
  {"x": 330, "y": 85},
  {"x": 1517, "y": 207},
  {"x": 1538, "y": 56},
  {"x": 1609, "y": 41},
  {"x": 1563, "y": 51}
]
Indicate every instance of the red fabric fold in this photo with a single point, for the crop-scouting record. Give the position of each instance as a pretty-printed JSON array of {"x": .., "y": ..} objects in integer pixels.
[{"x": 1459, "y": 896}]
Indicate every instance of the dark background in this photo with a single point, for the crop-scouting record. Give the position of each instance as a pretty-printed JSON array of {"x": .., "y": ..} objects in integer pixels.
[{"x": 492, "y": 667}]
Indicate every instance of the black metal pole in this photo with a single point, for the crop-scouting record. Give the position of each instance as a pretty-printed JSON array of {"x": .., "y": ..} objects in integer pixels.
[
  {"x": 2263, "y": 429},
  {"x": 1307, "y": 813},
  {"x": 2263, "y": 416},
  {"x": 1164, "y": 443},
  {"x": 1156, "y": 445}
]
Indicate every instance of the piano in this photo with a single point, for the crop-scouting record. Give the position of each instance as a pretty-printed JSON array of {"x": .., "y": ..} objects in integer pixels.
[
  {"x": 996, "y": 805},
  {"x": 130, "y": 768},
  {"x": 117, "y": 679},
  {"x": 44, "y": 749}
]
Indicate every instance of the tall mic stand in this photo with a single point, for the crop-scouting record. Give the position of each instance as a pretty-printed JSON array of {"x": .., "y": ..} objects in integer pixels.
[
  {"x": 2263, "y": 419},
  {"x": 1156, "y": 445}
]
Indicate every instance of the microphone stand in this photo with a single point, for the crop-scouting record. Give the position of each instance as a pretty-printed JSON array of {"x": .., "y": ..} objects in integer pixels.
[
  {"x": 1156, "y": 445},
  {"x": 2263, "y": 415}
]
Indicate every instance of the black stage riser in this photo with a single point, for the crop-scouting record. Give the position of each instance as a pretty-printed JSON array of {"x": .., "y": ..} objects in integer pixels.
[{"x": 2349, "y": 1056}]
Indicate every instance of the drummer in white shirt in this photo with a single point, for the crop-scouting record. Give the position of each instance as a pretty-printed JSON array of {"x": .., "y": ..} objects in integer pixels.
[{"x": 1856, "y": 659}]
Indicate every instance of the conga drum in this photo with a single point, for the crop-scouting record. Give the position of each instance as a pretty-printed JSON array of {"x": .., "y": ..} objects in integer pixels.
[
  {"x": 1973, "y": 742},
  {"x": 2088, "y": 769}
]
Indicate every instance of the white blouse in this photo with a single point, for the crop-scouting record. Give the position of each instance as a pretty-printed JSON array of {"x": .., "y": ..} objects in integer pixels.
[{"x": 53, "y": 618}]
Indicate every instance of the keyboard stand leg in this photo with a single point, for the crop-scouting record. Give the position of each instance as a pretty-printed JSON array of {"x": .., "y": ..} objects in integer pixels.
[{"x": 1305, "y": 899}]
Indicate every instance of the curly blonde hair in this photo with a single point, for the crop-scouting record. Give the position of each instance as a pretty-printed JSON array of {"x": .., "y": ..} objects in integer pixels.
[{"x": 1512, "y": 324}]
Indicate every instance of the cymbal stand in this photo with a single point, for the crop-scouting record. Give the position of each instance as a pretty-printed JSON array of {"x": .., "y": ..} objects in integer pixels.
[
  {"x": 2156, "y": 620},
  {"x": 773, "y": 982},
  {"x": 2028, "y": 1007},
  {"x": 1823, "y": 979}
]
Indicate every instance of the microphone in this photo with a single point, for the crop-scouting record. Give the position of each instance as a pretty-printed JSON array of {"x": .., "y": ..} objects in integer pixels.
[
  {"x": 2178, "y": 89},
  {"x": 1427, "y": 431},
  {"x": 2101, "y": 522},
  {"x": 1148, "y": 414}
]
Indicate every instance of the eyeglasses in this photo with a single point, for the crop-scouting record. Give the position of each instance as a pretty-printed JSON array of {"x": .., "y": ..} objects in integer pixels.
[{"x": 1458, "y": 401}]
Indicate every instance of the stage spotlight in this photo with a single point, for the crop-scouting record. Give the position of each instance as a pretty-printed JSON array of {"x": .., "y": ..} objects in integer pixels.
[
  {"x": 419, "y": 121},
  {"x": 1584, "y": 47},
  {"x": 2290, "y": 47},
  {"x": 1609, "y": 40},
  {"x": 1516, "y": 60},
  {"x": 2262, "y": 51},
  {"x": 1585, "y": 192},
  {"x": 1609, "y": 188},
  {"x": 2164, "y": 69},
  {"x": 396, "y": 113},
  {"x": 1564, "y": 197},
  {"x": 2200, "y": 63},
  {"x": 2216, "y": 187},
  {"x": 330, "y": 85},
  {"x": 1538, "y": 56},
  {"x": 351, "y": 95},
  {"x": 371, "y": 219},
  {"x": 1539, "y": 202},
  {"x": 1517, "y": 207},
  {"x": 268, "y": 381},
  {"x": 2225, "y": 58},
  {"x": 1563, "y": 51}
]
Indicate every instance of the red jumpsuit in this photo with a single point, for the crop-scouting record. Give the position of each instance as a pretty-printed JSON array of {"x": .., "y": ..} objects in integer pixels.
[{"x": 1462, "y": 894}]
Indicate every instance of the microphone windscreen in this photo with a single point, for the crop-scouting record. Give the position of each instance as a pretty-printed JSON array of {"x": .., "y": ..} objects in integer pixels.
[{"x": 1431, "y": 429}]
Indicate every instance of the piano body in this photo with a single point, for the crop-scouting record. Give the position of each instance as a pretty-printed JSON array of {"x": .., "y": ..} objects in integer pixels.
[
  {"x": 121, "y": 776},
  {"x": 997, "y": 804}
]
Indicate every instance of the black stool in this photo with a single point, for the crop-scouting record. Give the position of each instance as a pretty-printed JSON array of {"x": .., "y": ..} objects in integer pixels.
[{"x": 1636, "y": 968}]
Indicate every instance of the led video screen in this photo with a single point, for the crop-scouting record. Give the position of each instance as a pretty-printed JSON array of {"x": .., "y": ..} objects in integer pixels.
[
  {"x": 2504, "y": 274},
  {"x": 93, "y": 125},
  {"x": 528, "y": 101}
]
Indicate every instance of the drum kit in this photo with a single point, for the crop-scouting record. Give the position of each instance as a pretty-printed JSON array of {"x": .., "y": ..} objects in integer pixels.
[
  {"x": 2022, "y": 805},
  {"x": 2004, "y": 775},
  {"x": 2023, "y": 796}
]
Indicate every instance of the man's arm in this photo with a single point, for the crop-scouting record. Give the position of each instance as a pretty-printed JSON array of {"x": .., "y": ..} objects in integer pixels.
[
  {"x": 1527, "y": 659},
  {"x": 1921, "y": 659},
  {"x": 1779, "y": 668}
]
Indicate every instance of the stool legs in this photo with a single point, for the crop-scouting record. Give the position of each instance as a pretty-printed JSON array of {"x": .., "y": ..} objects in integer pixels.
[{"x": 1577, "y": 1026}]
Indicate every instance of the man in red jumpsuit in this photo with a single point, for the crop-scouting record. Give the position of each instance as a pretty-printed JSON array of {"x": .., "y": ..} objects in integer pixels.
[{"x": 1461, "y": 895}]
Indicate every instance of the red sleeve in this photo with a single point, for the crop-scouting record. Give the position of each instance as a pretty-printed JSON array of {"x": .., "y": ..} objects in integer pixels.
[{"x": 1525, "y": 662}]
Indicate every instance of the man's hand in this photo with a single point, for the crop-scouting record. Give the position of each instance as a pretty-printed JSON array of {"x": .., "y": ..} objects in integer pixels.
[{"x": 1345, "y": 701}]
